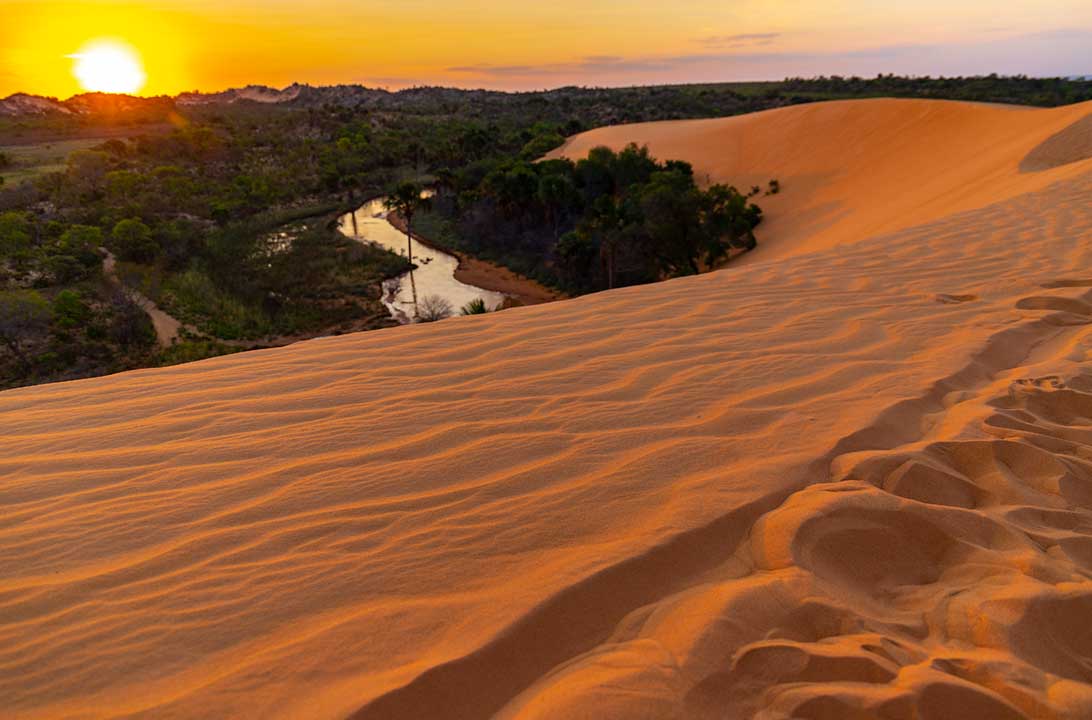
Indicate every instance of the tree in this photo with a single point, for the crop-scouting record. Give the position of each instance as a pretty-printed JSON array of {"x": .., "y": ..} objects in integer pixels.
[
  {"x": 406, "y": 200},
  {"x": 729, "y": 221},
  {"x": 671, "y": 206},
  {"x": 23, "y": 315},
  {"x": 576, "y": 253},
  {"x": 16, "y": 234},
  {"x": 80, "y": 239},
  {"x": 433, "y": 308},
  {"x": 556, "y": 192},
  {"x": 87, "y": 170},
  {"x": 134, "y": 242},
  {"x": 69, "y": 310}
]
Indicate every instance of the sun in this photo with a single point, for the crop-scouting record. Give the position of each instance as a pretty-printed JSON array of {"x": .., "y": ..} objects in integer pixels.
[{"x": 109, "y": 66}]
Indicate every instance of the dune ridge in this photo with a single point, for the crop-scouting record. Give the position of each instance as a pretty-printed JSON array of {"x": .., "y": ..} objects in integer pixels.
[{"x": 846, "y": 482}]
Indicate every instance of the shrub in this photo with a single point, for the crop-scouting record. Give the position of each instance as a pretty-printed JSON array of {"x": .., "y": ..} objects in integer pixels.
[
  {"x": 432, "y": 308},
  {"x": 475, "y": 307},
  {"x": 130, "y": 326}
]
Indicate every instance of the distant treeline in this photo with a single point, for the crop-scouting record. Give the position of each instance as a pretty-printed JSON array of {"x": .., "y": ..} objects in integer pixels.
[
  {"x": 575, "y": 108},
  {"x": 1017, "y": 89}
]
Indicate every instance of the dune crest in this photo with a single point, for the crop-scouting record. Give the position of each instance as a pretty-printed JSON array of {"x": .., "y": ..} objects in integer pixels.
[{"x": 841, "y": 483}]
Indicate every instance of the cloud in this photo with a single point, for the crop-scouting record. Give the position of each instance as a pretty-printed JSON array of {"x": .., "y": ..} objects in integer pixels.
[
  {"x": 739, "y": 40},
  {"x": 1052, "y": 53}
]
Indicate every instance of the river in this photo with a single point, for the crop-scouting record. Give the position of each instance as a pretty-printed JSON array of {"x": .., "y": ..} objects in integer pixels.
[{"x": 435, "y": 272}]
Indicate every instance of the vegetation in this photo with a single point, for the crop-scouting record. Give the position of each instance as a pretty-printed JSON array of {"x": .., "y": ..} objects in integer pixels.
[
  {"x": 433, "y": 308},
  {"x": 406, "y": 200},
  {"x": 474, "y": 307},
  {"x": 223, "y": 214},
  {"x": 609, "y": 220}
]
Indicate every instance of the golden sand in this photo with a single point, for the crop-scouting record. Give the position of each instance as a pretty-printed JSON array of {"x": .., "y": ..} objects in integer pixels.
[{"x": 848, "y": 478}]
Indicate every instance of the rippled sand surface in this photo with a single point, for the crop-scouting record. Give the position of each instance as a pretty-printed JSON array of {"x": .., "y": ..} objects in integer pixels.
[{"x": 849, "y": 478}]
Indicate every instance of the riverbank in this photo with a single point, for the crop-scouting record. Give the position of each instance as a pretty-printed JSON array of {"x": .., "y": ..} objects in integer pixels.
[{"x": 488, "y": 275}]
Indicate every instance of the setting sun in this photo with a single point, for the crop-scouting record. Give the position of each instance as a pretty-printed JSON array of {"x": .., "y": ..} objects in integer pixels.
[{"x": 109, "y": 66}]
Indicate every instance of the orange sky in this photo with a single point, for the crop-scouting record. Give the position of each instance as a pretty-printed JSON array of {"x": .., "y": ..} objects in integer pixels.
[{"x": 214, "y": 44}]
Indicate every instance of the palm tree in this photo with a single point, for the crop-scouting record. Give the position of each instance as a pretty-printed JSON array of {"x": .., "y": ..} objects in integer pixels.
[{"x": 406, "y": 200}]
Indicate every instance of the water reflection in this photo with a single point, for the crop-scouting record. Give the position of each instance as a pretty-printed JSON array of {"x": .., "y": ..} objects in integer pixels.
[{"x": 435, "y": 273}]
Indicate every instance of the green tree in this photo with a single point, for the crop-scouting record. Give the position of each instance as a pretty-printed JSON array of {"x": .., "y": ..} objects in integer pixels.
[
  {"x": 729, "y": 220},
  {"x": 671, "y": 206},
  {"x": 134, "y": 242},
  {"x": 16, "y": 234},
  {"x": 23, "y": 316},
  {"x": 69, "y": 310},
  {"x": 78, "y": 239},
  {"x": 556, "y": 192}
]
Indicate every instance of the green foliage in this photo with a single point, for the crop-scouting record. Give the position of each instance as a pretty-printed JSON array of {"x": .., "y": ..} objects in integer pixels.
[
  {"x": 133, "y": 241},
  {"x": 474, "y": 307},
  {"x": 79, "y": 239},
  {"x": 23, "y": 315},
  {"x": 542, "y": 143},
  {"x": 407, "y": 199},
  {"x": 199, "y": 201},
  {"x": 69, "y": 310},
  {"x": 16, "y": 234},
  {"x": 611, "y": 219},
  {"x": 194, "y": 297}
]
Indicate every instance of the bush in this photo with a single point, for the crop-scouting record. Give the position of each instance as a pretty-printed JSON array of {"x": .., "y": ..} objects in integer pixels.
[
  {"x": 432, "y": 308},
  {"x": 475, "y": 307},
  {"x": 130, "y": 326}
]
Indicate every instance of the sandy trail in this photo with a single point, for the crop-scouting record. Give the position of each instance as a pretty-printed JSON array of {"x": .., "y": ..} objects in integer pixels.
[
  {"x": 847, "y": 482},
  {"x": 167, "y": 327}
]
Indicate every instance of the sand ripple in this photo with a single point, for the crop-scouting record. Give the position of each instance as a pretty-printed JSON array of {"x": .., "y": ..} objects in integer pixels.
[{"x": 854, "y": 482}]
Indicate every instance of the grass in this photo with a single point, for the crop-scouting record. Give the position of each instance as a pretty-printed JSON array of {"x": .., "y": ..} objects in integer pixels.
[{"x": 33, "y": 161}]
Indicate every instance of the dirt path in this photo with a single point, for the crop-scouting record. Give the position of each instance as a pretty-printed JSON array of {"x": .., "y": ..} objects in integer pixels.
[{"x": 167, "y": 328}]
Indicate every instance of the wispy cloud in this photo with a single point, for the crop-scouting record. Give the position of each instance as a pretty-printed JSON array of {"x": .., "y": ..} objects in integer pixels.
[{"x": 739, "y": 40}]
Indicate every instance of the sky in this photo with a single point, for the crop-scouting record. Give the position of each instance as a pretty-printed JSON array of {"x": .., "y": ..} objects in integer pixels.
[{"x": 512, "y": 44}]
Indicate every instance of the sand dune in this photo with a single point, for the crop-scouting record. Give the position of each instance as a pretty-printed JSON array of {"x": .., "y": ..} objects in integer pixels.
[
  {"x": 841, "y": 483},
  {"x": 854, "y": 169}
]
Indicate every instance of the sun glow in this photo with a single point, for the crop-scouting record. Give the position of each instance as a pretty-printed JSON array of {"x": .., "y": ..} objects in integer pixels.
[{"x": 109, "y": 66}]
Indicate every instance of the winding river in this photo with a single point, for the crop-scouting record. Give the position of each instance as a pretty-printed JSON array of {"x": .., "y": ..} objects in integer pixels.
[{"x": 435, "y": 272}]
